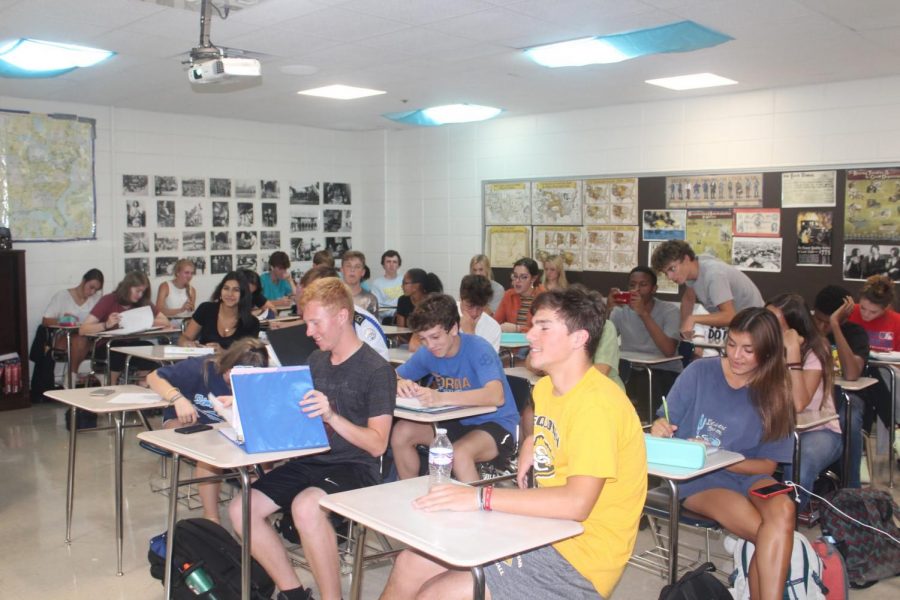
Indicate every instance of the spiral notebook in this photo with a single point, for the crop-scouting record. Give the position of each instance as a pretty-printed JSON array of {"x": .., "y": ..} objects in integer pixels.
[{"x": 266, "y": 413}]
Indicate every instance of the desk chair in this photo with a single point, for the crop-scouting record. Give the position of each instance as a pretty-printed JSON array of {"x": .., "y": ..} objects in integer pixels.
[{"x": 503, "y": 470}]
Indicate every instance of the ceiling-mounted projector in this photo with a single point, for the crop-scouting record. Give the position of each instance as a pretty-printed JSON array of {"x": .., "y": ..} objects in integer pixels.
[{"x": 218, "y": 70}]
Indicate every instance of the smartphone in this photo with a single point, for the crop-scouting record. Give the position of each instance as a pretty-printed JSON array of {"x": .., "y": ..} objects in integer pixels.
[
  {"x": 103, "y": 392},
  {"x": 622, "y": 297},
  {"x": 771, "y": 490},
  {"x": 193, "y": 428}
]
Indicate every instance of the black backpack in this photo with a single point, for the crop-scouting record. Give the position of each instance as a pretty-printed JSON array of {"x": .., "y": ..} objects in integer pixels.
[
  {"x": 698, "y": 584},
  {"x": 207, "y": 545}
]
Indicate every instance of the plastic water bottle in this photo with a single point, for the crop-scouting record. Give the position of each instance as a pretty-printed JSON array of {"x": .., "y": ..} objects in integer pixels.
[{"x": 440, "y": 459}]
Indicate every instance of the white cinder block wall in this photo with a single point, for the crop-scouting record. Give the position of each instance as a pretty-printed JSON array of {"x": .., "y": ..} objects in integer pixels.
[{"x": 433, "y": 193}]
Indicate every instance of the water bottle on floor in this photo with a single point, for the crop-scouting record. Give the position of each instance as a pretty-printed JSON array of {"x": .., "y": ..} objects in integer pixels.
[{"x": 440, "y": 459}]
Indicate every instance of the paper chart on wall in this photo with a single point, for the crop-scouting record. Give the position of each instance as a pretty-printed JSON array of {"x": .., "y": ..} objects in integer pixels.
[
  {"x": 714, "y": 191},
  {"x": 873, "y": 205},
  {"x": 556, "y": 202},
  {"x": 610, "y": 248},
  {"x": 611, "y": 201},
  {"x": 504, "y": 245},
  {"x": 566, "y": 242},
  {"x": 709, "y": 232},
  {"x": 507, "y": 203}
]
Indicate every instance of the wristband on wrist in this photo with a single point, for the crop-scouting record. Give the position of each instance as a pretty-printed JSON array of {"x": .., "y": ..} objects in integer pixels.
[
  {"x": 488, "y": 492},
  {"x": 175, "y": 397},
  {"x": 794, "y": 368},
  {"x": 794, "y": 364}
]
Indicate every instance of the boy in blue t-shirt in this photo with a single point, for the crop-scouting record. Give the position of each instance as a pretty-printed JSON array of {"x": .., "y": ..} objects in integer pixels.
[{"x": 463, "y": 370}]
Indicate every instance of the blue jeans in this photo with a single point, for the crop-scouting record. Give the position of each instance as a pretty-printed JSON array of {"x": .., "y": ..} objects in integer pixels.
[
  {"x": 856, "y": 435},
  {"x": 818, "y": 449}
]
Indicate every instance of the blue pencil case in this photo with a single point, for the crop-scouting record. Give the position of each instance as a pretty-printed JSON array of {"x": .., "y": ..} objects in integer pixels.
[
  {"x": 512, "y": 338},
  {"x": 673, "y": 452}
]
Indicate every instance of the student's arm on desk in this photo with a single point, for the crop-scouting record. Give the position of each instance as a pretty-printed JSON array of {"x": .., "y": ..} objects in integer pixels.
[
  {"x": 93, "y": 325},
  {"x": 373, "y": 438},
  {"x": 717, "y": 319},
  {"x": 189, "y": 336},
  {"x": 161, "y": 320},
  {"x": 688, "y": 299}
]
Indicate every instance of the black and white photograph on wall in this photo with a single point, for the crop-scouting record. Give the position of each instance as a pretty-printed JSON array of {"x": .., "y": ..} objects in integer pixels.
[
  {"x": 269, "y": 240},
  {"x": 165, "y": 265},
  {"x": 269, "y": 188},
  {"x": 338, "y": 245},
  {"x": 336, "y": 221},
  {"x": 861, "y": 261},
  {"x": 193, "y": 241},
  {"x": 304, "y": 193},
  {"x": 136, "y": 242},
  {"x": 245, "y": 214},
  {"x": 199, "y": 264},
  {"x": 220, "y": 214},
  {"x": 165, "y": 213},
  {"x": 337, "y": 193},
  {"x": 814, "y": 238},
  {"x": 220, "y": 264},
  {"x": 193, "y": 215},
  {"x": 219, "y": 188},
  {"x": 269, "y": 214},
  {"x": 247, "y": 240},
  {"x": 302, "y": 249},
  {"x": 137, "y": 213},
  {"x": 163, "y": 242},
  {"x": 757, "y": 254},
  {"x": 135, "y": 185},
  {"x": 141, "y": 265},
  {"x": 193, "y": 187},
  {"x": 296, "y": 272},
  {"x": 220, "y": 240},
  {"x": 304, "y": 219},
  {"x": 263, "y": 262},
  {"x": 245, "y": 188},
  {"x": 165, "y": 185},
  {"x": 246, "y": 261}
]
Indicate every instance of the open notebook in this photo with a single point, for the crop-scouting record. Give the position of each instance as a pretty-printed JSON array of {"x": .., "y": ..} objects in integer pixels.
[
  {"x": 266, "y": 415},
  {"x": 414, "y": 405}
]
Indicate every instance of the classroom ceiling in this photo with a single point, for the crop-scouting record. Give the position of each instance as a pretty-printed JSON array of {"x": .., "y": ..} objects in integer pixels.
[{"x": 429, "y": 52}]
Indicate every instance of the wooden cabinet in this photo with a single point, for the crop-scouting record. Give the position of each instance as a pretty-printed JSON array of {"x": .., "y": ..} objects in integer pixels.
[{"x": 14, "y": 322}]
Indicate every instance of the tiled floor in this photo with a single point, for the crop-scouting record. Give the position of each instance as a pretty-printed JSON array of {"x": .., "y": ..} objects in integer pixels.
[{"x": 36, "y": 562}]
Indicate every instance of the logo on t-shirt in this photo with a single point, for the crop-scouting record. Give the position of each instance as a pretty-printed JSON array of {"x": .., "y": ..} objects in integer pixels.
[{"x": 710, "y": 431}]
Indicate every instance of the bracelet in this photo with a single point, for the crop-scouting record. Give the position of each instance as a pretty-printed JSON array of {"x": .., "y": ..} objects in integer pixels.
[
  {"x": 794, "y": 364},
  {"x": 488, "y": 492},
  {"x": 794, "y": 368},
  {"x": 175, "y": 397}
]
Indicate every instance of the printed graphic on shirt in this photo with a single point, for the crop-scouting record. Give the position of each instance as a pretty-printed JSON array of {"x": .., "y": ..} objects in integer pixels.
[
  {"x": 710, "y": 431},
  {"x": 205, "y": 407},
  {"x": 544, "y": 430}
]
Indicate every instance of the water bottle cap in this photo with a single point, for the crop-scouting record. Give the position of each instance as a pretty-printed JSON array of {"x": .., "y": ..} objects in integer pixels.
[{"x": 441, "y": 431}]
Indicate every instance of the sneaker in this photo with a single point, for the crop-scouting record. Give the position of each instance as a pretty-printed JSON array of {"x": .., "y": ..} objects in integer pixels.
[
  {"x": 864, "y": 471},
  {"x": 300, "y": 593},
  {"x": 730, "y": 543}
]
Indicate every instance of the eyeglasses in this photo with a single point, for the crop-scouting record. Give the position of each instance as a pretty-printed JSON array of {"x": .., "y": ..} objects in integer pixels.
[{"x": 520, "y": 277}]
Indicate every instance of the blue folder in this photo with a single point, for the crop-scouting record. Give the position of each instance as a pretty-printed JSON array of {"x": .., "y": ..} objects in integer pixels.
[
  {"x": 510, "y": 338},
  {"x": 268, "y": 416}
]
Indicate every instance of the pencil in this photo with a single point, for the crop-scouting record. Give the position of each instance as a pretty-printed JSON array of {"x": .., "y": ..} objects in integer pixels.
[{"x": 666, "y": 408}]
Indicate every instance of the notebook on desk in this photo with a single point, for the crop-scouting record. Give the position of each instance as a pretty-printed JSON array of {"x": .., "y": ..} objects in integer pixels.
[
  {"x": 291, "y": 345},
  {"x": 266, "y": 415},
  {"x": 415, "y": 405}
]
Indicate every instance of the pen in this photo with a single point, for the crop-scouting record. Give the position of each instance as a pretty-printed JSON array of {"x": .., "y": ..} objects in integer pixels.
[{"x": 666, "y": 408}]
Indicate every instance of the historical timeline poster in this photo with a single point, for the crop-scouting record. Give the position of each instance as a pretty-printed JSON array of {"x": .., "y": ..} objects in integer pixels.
[
  {"x": 507, "y": 244},
  {"x": 556, "y": 202},
  {"x": 814, "y": 238},
  {"x": 659, "y": 225},
  {"x": 757, "y": 222},
  {"x": 872, "y": 204},
  {"x": 507, "y": 203},
  {"x": 709, "y": 232},
  {"x": 802, "y": 189},
  {"x": 757, "y": 254},
  {"x": 565, "y": 242},
  {"x": 611, "y": 201},
  {"x": 714, "y": 191},
  {"x": 610, "y": 248}
]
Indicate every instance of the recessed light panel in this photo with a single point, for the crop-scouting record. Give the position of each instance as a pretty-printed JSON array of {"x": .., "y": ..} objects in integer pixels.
[
  {"x": 446, "y": 114},
  {"x": 28, "y": 58},
  {"x": 692, "y": 82},
  {"x": 341, "y": 92}
]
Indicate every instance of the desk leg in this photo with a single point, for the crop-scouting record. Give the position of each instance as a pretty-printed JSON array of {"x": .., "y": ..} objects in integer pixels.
[
  {"x": 649, "y": 394},
  {"x": 119, "y": 419},
  {"x": 358, "y": 556},
  {"x": 846, "y": 435},
  {"x": 126, "y": 371},
  {"x": 173, "y": 509},
  {"x": 70, "y": 479},
  {"x": 892, "y": 428},
  {"x": 795, "y": 468},
  {"x": 245, "y": 537},
  {"x": 674, "y": 519},
  {"x": 108, "y": 362},
  {"x": 69, "y": 359},
  {"x": 478, "y": 586}
]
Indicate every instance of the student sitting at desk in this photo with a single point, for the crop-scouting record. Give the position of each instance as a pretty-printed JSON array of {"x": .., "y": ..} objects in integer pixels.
[
  {"x": 514, "y": 312},
  {"x": 177, "y": 296},
  {"x": 353, "y": 265},
  {"x": 389, "y": 288},
  {"x": 186, "y": 385},
  {"x": 475, "y": 293},
  {"x": 416, "y": 285},
  {"x": 481, "y": 265},
  {"x": 355, "y": 391},
  {"x": 589, "y": 465},
  {"x": 875, "y": 314},
  {"x": 721, "y": 288},
  {"x": 132, "y": 292},
  {"x": 260, "y": 306},
  {"x": 277, "y": 282},
  {"x": 647, "y": 324},
  {"x": 741, "y": 403},
  {"x": 811, "y": 369},
  {"x": 224, "y": 319},
  {"x": 71, "y": 307},
  {"x": 554, "y": 276},
  {"x": 463, "y": 370}
]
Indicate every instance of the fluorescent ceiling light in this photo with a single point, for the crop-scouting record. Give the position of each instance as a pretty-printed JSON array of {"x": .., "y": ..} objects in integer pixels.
[
  {"x": 684, "y": 36},
  {"x": 37, "y": 58},
  {"x": 341, "y": 92},
  {"x": 446, "y": 114},
  {"x": 691, "y": 82}
]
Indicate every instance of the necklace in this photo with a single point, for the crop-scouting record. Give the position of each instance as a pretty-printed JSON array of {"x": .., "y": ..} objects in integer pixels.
[{"x": 231, "y": 324}]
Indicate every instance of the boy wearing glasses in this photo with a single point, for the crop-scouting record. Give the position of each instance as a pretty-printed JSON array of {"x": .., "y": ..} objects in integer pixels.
[
  {"x": 353, "y": 266},
  {"x": 722, "y": 289}
]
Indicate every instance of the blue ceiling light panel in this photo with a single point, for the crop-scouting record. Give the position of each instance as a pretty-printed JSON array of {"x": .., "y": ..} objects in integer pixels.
[
  {"x": 28, "y": 59},
  {"x": 444, "y": 115}
]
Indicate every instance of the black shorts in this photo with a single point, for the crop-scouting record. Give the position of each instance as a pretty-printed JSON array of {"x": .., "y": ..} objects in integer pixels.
[
  {"x": 284, "y": 483},
  {"x": 503, "y": 440}
]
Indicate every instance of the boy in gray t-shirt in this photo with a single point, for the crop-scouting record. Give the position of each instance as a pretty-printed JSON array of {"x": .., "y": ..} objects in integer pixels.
[{"x": 722, "y": 289}]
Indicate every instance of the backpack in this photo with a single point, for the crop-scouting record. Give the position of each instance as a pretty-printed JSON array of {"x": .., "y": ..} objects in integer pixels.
[
  {"x": 698, "y": 584},
  {"x": 870, "y": 556},
  {"x": 207, "y": 545},
  {"x": 834, "y": 570},
  {"x": 804, "y": 580}
]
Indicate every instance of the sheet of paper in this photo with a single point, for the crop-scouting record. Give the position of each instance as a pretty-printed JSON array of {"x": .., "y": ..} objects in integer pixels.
[
  {"x": 135, "y": 398},
  {"x": 183, "y": 351},
  {"x": 136, "y": 319},
  {"x": 226, "y": 412},
  {"x": 416, "y": 405}
]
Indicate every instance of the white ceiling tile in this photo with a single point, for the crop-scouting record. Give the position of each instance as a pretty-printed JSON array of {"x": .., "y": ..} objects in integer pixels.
[
  {"x": 277, "y": 42},
  {"x": 342, "y": 25},
  {"x": 496, "y": 24},
  {"x": 416, "y": 13}
]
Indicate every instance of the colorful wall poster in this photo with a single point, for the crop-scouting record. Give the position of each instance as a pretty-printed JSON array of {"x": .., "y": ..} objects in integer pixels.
[
  {"x": 611, "y": 201},
  {"x": 663, "y": 225},
  {"x": 709, "y": 232},
  {"x": 714, "y": 191},
  {"x": 814, "y": 229},
  {"x": 566, "y": 242}
]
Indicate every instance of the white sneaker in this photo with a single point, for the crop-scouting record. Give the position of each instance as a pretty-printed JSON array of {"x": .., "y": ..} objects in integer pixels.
[
  {"x": 730, "y": 543},
  {"x": 864, "y": 471}
]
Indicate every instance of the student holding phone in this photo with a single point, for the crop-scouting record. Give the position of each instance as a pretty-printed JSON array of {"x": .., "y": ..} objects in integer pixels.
[
  {"x": 187, "y": 386},
  {"x": 742, "y": 403}
]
